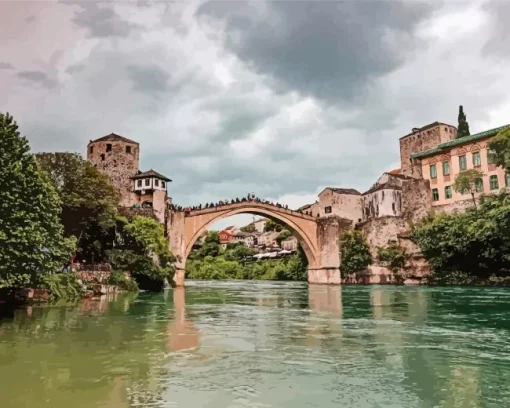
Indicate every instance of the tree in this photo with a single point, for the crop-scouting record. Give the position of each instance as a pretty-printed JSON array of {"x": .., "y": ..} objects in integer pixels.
[
  {"x": 283, "y": 235},
  {"x": 89, "y": 201},
  {"x": 32, "y": 242},
  {"x": 210, "y": 246},
  {"x": 466, "y": 182},
  {"x": 272, "y": 226},
  {"x": 142, "y": 249},
  {"x": 463, "y": 126},
  {"x": 500, "y": 149},
  {"x": 354, "y": 252},
  {"x": 474, "y": 244},
  {"x": 248, "y": 228}
]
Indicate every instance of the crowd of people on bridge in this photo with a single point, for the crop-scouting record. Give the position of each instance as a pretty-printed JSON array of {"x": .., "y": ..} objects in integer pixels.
[{"x": 249, "y": 197}]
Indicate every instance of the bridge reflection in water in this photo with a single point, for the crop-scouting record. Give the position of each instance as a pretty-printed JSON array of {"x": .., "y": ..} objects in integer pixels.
[{"x": 182, "y": 334}]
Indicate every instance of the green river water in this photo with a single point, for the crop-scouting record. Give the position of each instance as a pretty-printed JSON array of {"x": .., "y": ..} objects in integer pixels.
[{"x": 246, "y": 344}]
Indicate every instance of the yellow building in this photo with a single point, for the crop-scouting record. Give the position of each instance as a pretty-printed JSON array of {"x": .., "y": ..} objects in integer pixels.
[{"x": 442, "y": 163}]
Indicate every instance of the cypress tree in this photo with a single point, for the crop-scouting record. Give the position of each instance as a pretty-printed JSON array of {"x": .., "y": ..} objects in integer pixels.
[
  {"x": 32, "y": 241},
  {"x": 463, "y": 127}
]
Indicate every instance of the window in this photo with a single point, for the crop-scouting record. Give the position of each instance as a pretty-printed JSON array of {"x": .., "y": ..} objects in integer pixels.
[
  {"x": 327, "y": 210},
  {"x": 477, "y": 161},
  {"x": 128, "y": 149},
  {"x": 156, "y": 183},
  {"x": 462, "y": 163},
  {"x": 147, "y": 182},
  {"x": 91, "y": 149},
  {"x": 489, "y": 156},
  {"x": 446, "y": 168},
  {"x": 393, "y": 206},
  {"x": 102, "y": 156},
  {"x": 139, "y": 183},
  {"x": 479, "y": 185},
  {"x": 108, "y": 147},
  {"x": 163, "y": 184},
  {"x": 433, "y": 171},
  {"x": 493, "y": 181},
  {"x": 507, "y": 179},
  {"x": 448, "y": 192},
  {"x": 435, "y": 194}
]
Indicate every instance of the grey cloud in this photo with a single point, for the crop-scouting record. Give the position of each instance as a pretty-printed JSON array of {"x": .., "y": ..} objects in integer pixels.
[
  {"x": 37, "y": 77},
  {"x": 328, "y": 49},
  {"x": 148, "y": 78},
  {"x": 499, "y": 42},
  {"x": 6, "y": 65},
  {"x": 99, "y": 19},
  {"x": 73, "y": 69}
]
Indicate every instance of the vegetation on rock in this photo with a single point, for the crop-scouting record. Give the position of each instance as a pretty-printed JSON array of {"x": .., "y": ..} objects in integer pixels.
[
  {"x": 32, "y": 242},
  {"x": 354, "y": 253},
  {"x": 472, "y": 245},
  {"x": 395, "y": 258},
  {"x": 142, "y": 250}
]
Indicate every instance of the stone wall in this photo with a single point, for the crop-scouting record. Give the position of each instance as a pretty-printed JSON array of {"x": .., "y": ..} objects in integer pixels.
[
  {"x": 100, "y": 277},
  {"x": 380, "y": 231},
  {"x": 416, "y": 199},
  {"x": 329, "y": 230},
  {"x": 119, "y": 165},
  {"x": 159, "y": 205}
]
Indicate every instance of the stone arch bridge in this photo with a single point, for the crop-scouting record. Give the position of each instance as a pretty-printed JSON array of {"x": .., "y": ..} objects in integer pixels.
[{"x": 317, "y": 236}]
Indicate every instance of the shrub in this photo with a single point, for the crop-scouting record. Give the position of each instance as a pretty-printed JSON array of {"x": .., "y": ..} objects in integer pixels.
[{"x": 119, "y": 279}]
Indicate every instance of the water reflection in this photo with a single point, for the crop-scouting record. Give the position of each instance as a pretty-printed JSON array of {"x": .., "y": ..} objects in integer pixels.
[
  {"x": 182, "y": 334},
  {"x": 255, "y": 344},
  {"x": 325, "y": 299}
]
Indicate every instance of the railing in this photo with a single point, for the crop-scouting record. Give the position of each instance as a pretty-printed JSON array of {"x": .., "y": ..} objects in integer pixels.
[{"x": 253, "y": 203}]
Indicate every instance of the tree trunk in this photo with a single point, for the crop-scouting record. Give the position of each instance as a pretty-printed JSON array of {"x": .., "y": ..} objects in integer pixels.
[{"x": 474, "y": 200}]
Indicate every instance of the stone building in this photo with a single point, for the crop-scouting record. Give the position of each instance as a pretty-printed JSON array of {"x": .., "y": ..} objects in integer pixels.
[
  {"x": 119, "y": 158},
  {"x": 343, "y": 202},
  {"x": 289, "y": 243}
]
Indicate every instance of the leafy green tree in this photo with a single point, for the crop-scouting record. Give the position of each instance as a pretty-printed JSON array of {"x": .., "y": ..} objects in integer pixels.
[
  {"x": 472, "y": 245},
  {"x": 141, "y": 249},
  {"x": 466, "y": 182},
  {"x": 210, "y": 246},
  {"x": 89, "y": 201},
  {"x": 273, "y": 226},
  {"x": 463, "y": 126},
  {"x": 248, "y": 228},
  {"x": 354, "y": 252},
  {"x": 283, "y": 235},
  {"x": 32, "y": 242},
  {"x": 500, "y": 149}
]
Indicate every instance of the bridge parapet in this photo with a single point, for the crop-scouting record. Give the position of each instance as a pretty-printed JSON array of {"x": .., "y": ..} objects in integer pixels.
[{"x": 248, "y": 203}]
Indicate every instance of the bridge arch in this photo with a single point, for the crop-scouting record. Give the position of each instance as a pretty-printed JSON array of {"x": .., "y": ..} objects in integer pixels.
[
  {"x": 317, "y": 236},
  {"x": 307, "y": 242}
]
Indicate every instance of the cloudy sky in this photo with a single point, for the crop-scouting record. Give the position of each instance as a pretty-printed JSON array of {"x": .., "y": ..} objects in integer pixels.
[{"x": 229, "y": 97}]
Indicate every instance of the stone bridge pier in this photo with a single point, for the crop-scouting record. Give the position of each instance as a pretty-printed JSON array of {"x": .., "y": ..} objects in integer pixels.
[{"x": 318, "y": 236}]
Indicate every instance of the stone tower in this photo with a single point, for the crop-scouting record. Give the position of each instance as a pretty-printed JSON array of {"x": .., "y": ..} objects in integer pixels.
[
  {"x": 118, "y": 157},
  {"x": 419, "y": 140}
]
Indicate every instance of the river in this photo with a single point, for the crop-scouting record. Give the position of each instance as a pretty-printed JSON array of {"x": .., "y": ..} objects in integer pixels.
[{"x": 263, "y": 344}]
